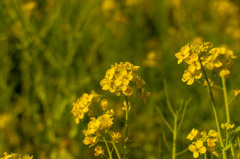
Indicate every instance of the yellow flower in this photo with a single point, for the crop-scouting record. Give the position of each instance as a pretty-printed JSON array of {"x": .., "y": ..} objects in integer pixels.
[
  {"x": 98, "y": 151},
  {"x": 106, "y": 122},
  {"x": 82, "y": 104},
  {"x": 108, "y": 5},
  {"x": 115, "y": 136},
  {"x": 17, "y": 156},
  {"x": 193, "y": 134},
  {"x": 91, "y": 141},
  {"x": 211, "y": 142},
  {"x": 227, "y": 126},
  {"x": 117, "y": 79},
  {"x": 189, "y": 77},
  {"x": 224, "y": 72},
  {"x": 183, "y": 54},
  {"x": 125, "y": 105},
  {"x": 197, "y": 148},
  {"x": 236, "y": 92},
  {"x": 213, "y": 133},
  {"x": 104, "y": 104}
]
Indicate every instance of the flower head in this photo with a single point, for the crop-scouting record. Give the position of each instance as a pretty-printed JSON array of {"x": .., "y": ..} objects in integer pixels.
[
  {"x": 81, "y": 106},
  {"x": 197, "y": 148},
  {"x": 193, "y": 134},
  {"x": 98, "y": 151}
]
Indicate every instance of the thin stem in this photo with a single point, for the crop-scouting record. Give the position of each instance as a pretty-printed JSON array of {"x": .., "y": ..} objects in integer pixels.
[
  {"x": 126, "y": 117},
  {"x": 167, "y": 98},
  {"x": 126, "y": 131},
  {"x": 214, "y": 110},
  {"x": 182, "y": 152},
  {"x": 116, "y": 150},
  {"x": 174, "y": 137},
  {"x": 225, "y": 99},
  {"x": 108, "y": 150},
  {"x": 227, "y": 109},
  {"x": 164, "y": 119}
]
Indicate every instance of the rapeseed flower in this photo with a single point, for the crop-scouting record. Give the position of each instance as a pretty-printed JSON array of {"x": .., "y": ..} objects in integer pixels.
[
  {"x": 81, "y": 106},
  {"x": 193, "y": 134},
  {"x": 197, "y": 148},
  {"x": 98, "y": 151},
  {"x": 120, "y": 78},
  {"x": 115, "y": 136},
  {"x": 202, "y": 56},
  {"x": 96, "y": 127},
  {"x": 17, "y": 156},
  {"x": 227, "y": 126}
]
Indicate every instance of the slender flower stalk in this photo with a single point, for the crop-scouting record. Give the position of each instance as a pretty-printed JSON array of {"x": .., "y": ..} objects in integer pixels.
[
  {"x": 116, "y": 150},
  {"x": 227, "y": 110},
  {"x": 214, "y": 110},
  {"x": 108, "y": 150}
]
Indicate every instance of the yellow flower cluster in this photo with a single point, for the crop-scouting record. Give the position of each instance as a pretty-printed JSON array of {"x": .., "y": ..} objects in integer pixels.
[
  {"x": 118, "y": 78},
  {"x": 227, "y": 126},
  {"x": 81, "y": 106},
  {"x": 202, "y": 54},
  {"x": 203, "y": 142},
  {"x": 96, "y": 127},
  {"x": 15, "y": 156}
]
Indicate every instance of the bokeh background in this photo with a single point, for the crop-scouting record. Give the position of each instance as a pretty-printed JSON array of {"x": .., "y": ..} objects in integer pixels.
[{"x": 53, "y": 51}]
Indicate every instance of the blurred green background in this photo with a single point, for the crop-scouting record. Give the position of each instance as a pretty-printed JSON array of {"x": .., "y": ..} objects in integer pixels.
[{"x": 51, "y": 52}]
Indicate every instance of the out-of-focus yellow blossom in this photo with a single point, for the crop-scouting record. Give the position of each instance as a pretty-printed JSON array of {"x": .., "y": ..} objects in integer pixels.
[
  {"x": 224, "y": 73},
  {"x": 197, "y": 148},
  {"x": 28, "y": 8},
  {"x": 91, "y": 141},
  {"x": 5, "y": 119},
  {"x": 104, "y": 104},
  {"x": 96, "y": 127},
  {"x": 227, "y": 126},
  {"x": 236, "y": 92},
  {"x": 144, "y": 95},
  {"x": 213, "y": 133},
  {"x": 110, "y": 112},
  {"x": 118, "y": 78},
  {"x": 115, "y": 136},
  {"x": 193, "y": 134},
  {"x": 125, "y": 105},
  {"x": 98, "y": 151},
  {"x": 81, "y": 106},
  {"x": 15, "y": 156},
  {"x": 132, "y": 2},
  {"x": 151, "y": 59},
  {"x": 189, "y": 77},
  {"x": 108, "y": 5}
]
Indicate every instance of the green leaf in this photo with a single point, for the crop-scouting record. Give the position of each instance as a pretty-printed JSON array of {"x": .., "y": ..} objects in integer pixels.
[{"x": 237, "y": 129}]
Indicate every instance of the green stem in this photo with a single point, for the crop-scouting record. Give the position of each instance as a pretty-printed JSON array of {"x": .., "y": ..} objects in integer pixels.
[
  {"x": 214, "y": 110},
  {"x": 108, "y": 150},
  {"x": 227, "y": 109},
  {"x": 126, "y": 131},
  {"x": 174, "y": 137},
  {"x": 225, "y": 99},
  {"x": 116, "y": 150}
]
